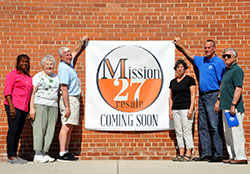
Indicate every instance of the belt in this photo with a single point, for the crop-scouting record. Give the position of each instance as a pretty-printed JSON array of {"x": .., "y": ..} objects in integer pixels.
[
  {"x": 208, "y": 92},
  {"x": 77, "y": 96}
]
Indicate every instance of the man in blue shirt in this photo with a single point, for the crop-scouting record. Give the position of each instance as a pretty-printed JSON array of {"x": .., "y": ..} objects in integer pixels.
[
  {"x": 70, "y": 95},
  {"x": 211, "y": 69}
]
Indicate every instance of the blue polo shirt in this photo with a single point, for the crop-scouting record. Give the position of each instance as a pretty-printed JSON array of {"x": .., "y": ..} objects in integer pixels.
[
  {"x": 68, "y": 76},
  {"x": 210, "y": 72}
]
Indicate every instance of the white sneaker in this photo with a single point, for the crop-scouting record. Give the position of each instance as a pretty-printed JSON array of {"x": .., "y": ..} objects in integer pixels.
[
  {"x": 50, "y": 159},
  {"x": 40, "y": 159}
]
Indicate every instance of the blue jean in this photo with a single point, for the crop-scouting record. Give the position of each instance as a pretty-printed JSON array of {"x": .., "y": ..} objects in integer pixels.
[{"x": 207, "y": 117}]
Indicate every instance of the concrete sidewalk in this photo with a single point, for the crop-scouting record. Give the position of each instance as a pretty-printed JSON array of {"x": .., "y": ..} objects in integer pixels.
[{"x": 124, "y": 167}]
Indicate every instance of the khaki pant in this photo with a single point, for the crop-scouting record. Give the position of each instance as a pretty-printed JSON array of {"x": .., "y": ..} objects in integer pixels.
[
  {"x": 44, "y": 127},
  {"x": 183, "y": 129},
  {"x": 234, "y": 136},
  {"x": 73, "y": 119}
]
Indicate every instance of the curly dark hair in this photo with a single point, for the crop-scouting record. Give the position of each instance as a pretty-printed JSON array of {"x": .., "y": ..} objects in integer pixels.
[
  {"x": 180, "y": 61},
  {"x": 18, "y": 60}
]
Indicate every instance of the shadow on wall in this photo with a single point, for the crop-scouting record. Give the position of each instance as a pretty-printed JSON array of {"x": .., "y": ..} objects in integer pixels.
[
  {"x": 225, "y": 154},
  {"x": 26, "y": 140},
  {"x": 173, "y": 137},
  {"x": 26, "y": 145}
]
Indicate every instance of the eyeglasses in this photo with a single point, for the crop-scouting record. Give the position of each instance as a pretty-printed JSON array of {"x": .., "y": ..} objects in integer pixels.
[{"x": 226, "y": 55}]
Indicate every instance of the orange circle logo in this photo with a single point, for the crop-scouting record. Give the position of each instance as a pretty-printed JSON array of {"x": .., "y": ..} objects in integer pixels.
[{"x": 129, "y": 78}]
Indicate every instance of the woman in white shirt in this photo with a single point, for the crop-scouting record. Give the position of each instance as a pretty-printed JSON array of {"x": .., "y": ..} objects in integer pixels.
[{"x": 44, "y": 109}]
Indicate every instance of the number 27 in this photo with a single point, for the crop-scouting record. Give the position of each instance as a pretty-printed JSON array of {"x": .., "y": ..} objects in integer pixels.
[{"x": 125, "y": 85}]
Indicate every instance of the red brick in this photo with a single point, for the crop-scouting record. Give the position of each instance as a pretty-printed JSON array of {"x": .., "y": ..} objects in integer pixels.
[{"x": 39, "y": 27}]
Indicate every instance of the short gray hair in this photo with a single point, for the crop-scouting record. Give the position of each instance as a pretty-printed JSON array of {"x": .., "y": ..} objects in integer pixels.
[
  {"x": 62, "y": 50},
  {"x": 48, "y": 57},
  {"x": 231, "y": 49},
  {"x": 213, "y": 42}
]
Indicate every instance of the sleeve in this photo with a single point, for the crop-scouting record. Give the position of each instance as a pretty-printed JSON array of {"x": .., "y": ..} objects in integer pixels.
[
  {"x": 238, "y": 77},
  {"x": 171, "y": 84},
  {"x": 63, "y": 75},
  {"x": 192, "y": 82},
  {"x": 220, "y": 69},
  {"x": 9, "y": 83},
  {"x": 36, "y": 79},
  {"x": 197, "y": 61}
]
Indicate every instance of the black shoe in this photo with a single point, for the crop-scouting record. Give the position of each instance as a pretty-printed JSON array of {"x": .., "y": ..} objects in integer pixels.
[
  {"x": 72, "y": 156},
  {"x": 202, "y": 158},
  {"x": 66, "y": 157},
  {"x": 216, "y": 159}
]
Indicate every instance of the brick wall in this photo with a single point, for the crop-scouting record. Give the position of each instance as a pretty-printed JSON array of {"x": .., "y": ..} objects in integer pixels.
[{"x": 39, "y": 27}]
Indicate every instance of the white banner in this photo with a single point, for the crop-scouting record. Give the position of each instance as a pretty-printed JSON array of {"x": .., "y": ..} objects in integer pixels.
[{"x": 127, "y": 85}]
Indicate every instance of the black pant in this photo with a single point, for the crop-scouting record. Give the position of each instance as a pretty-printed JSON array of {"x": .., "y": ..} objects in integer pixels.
[{"x": 15, "y": 130}]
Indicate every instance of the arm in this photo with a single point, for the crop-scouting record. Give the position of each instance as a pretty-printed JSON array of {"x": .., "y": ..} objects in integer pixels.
[
  {"x": 236, "y": 97},
  {"x": 170, "y": 105},
  {"x": 191, "y": 108},
  {"x": 12, "y": 108},
  {"x": 217, "y": 104},
  {"x": 9, "y": 85},
  {"x": 220, "y": 69},
  {"x": 65, "y": 96},
  {"x": 183, "y": 50},
  {"x": 32, "y": 112},
  {"x": 80, "y": 47}
]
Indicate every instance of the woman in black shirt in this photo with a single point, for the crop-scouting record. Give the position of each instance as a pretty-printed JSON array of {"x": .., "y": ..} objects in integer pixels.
[{"x": 181, "y": 110}]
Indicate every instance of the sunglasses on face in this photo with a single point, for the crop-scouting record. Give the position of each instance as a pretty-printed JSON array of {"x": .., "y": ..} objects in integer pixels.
[{"x": 226, "y": 55}]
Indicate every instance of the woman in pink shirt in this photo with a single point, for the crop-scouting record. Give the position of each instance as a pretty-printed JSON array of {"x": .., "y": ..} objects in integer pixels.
[{"x": 17, "y": 92}]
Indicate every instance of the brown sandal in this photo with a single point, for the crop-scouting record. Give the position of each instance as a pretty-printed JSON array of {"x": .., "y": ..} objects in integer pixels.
[
  {"x": 178, "y": 158},
  {"x": 187, "y": 158}
]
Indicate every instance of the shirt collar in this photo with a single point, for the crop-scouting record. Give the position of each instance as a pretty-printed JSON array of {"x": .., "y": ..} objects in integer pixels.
[
  {"x": 210, "y": 60},
  {"x": 233, "y": 65},
  {"x": 19, "y": 72},
  {"x": 66, "y": 63}
]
